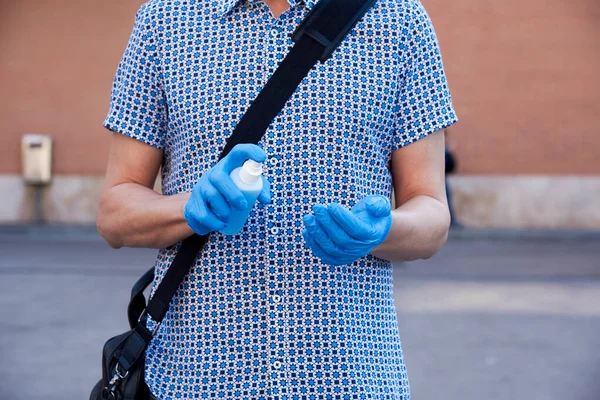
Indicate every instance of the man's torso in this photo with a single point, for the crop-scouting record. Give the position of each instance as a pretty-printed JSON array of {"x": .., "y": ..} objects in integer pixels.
[{"x": 259, "y": 316}]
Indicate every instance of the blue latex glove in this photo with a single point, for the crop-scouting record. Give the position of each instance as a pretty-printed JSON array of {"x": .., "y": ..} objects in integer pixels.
[
  {"x": 340, "y": 236},
  {"x": 209, "y": 206}
]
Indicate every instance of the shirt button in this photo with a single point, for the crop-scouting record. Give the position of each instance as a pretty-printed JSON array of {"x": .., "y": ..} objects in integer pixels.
[
  {"x": 274, "y": 230},
  {"x": 276, "y": 298},
  {"x": 274, "y": 32},
  {"x": 273, "y": 162},
  {"x": 277, "y": 365}
]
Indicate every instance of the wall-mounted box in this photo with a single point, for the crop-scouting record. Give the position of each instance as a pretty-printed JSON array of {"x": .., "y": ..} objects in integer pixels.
[{"x": 36, "y": 154}]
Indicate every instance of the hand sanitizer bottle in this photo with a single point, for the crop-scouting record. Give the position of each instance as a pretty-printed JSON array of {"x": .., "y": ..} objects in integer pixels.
[{"x": 249, "y": 180}]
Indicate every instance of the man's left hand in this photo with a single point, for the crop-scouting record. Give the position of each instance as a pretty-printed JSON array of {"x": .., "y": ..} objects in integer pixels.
[{"x": 340, "y": 236}]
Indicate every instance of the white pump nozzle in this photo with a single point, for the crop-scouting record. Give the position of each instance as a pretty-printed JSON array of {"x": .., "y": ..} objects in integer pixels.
[{"x": 251, "y": 172}]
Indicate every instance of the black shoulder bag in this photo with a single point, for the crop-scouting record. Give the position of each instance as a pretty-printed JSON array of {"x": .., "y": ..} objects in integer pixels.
[{"x": 123, "y": 357}]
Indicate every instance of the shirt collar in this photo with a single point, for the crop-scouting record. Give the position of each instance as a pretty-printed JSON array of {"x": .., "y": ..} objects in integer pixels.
[{"x": 227, "y": 5}]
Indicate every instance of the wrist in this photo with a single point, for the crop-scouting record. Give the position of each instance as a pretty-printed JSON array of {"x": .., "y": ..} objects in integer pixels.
[
  {"x": 181, "y": 201},
  {"x": 399, "y": 221}
]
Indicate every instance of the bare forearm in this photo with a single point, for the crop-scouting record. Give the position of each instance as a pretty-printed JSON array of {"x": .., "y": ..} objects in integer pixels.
[
  {"x": 419, "y": 230},
  {"x": 133, "y": 215}
]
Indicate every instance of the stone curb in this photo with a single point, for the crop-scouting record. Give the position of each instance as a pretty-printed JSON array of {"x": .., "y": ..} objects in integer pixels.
[
  {"x": 523, "y": 235},
  {"x": 90, "y": 233}
]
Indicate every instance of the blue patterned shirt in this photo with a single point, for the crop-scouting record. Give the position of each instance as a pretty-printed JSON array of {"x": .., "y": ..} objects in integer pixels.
[{"x": 259, "y": 317}]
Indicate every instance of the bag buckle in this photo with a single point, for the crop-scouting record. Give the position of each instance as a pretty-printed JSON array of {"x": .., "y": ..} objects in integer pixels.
[
  {"x": 320, "y": 17},
  {"x": 144, "y": 316},
  {"x": 110, "y": 391},
  {"x": 118, "y": 373}
]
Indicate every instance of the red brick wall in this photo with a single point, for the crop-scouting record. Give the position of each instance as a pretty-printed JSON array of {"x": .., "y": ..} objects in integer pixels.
[
  {"x": 57, "y": 61},
  {"x": 523, "y": 73},
  {"x": 525, "y": 77}
]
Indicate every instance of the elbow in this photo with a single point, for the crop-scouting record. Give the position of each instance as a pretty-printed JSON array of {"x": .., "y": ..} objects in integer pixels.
[
  {"x": 438, "y": 235},
  {"x": 438, "y": 238},
  {"x": 437, "y": 243},
  {"x": 108, "y": 234},
  {"x": 106, "y": 227}
]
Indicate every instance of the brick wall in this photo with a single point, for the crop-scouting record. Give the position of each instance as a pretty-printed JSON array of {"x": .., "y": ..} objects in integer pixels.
[
  {"x": 524, "y": 77},
  {"x": 58, "y": 58},
  {"x": 523, "y": 74}
]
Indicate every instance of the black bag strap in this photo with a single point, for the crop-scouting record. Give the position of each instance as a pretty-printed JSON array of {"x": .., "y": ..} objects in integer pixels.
[
  {"x": 137, "y": 301},
  {"x": 315, "y": 39}
]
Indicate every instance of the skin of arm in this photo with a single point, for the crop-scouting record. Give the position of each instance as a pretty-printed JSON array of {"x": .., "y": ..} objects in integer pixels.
[
  {"x": 421, "y": 219},
  {"x": 130, "y": 212}
]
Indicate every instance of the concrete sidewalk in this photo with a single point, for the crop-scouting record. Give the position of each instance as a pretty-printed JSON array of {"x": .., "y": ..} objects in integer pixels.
[
  {"x": 488, "y": 318},
  {"x": 503, "y": 320}
]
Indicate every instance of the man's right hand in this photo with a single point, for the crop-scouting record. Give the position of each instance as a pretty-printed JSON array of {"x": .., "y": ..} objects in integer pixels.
[{"x": 215, "y": 194}]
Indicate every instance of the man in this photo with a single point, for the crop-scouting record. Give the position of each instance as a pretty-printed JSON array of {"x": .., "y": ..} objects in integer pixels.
[{"x": 300, "y": 303}]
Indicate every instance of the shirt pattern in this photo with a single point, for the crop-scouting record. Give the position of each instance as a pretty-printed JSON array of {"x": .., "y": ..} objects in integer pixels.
[{"x": 259, "y": 317}]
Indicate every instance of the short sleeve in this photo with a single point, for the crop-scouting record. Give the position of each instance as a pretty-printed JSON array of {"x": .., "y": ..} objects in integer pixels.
[
  {"x": 424, "y": 103},
  {"x": 137, "y": 104}
]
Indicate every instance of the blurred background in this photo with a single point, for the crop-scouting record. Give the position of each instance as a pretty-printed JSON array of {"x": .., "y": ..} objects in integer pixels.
[{"x": 510, "y": 309}]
